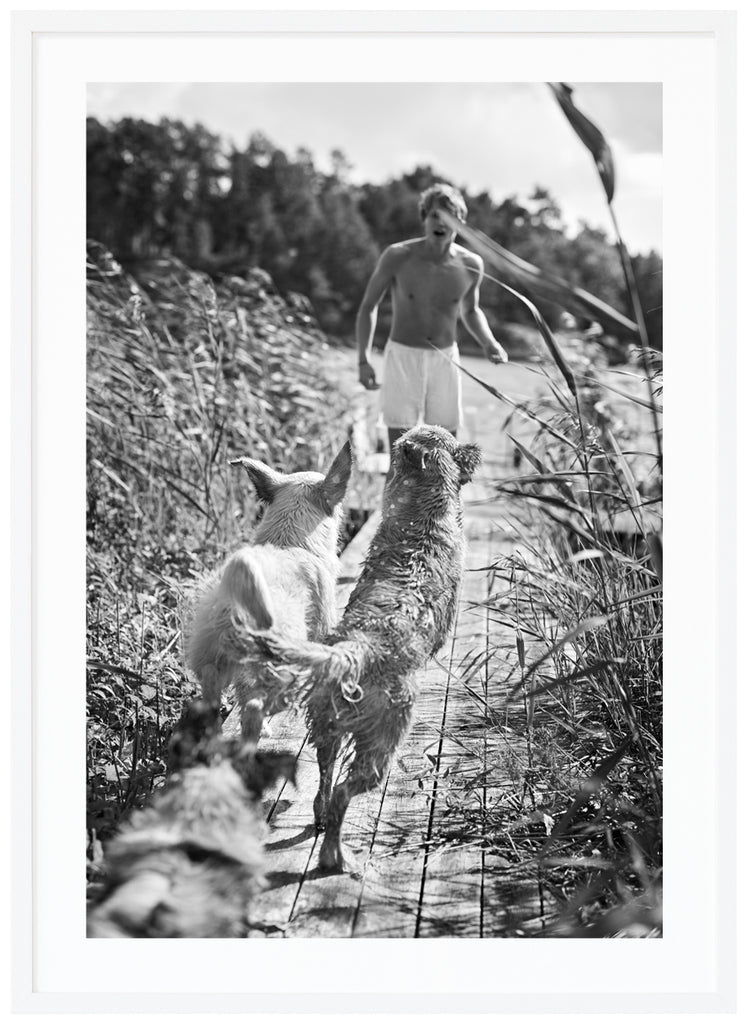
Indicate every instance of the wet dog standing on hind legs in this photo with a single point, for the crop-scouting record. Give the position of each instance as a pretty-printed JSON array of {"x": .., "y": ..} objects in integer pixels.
[
  {"x": 286, "y": 579},
  {"x": 361, "y": 683}
]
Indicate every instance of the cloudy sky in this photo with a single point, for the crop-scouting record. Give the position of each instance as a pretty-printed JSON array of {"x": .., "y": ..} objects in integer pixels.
[{"x": 501, "y": 137}]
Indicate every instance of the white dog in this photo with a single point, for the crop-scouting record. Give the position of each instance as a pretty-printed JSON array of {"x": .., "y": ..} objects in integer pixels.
[{"x": 285, "y": 579}]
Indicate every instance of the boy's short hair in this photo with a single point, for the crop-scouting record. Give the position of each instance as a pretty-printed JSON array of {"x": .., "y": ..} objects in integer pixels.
[{"x": 442, "y": 195}]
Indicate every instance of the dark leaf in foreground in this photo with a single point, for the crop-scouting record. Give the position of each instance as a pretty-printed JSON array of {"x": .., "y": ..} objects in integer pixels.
[{"x": 589, "y": 134}]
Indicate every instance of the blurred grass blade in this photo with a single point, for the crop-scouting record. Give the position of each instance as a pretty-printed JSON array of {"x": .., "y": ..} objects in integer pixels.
[
  {"x": 545, "y": 283},
  {"x": 650, "y": 406},
  {"x": 531, "y": 458},
  {"x": 590, "y": 135},
  {"x": 484, "y": 247},
  {"x": 634, "y": 496},
  {"x": 521, "y": 649},
  {"x": 656, "y": 551},
  {"x": 519, "y": 407},
  {"x": 550, "y": 499},
  {"x": 543, "y": 471}
]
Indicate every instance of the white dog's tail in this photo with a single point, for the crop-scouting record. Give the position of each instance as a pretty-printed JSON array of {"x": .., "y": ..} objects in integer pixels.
[
  {"x": 240, "y": 602},
  {"x": 243, "y": 587}
]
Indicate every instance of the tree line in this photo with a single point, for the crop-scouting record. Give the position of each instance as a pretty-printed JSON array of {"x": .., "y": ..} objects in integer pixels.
[{"x": 168, "y": 188}]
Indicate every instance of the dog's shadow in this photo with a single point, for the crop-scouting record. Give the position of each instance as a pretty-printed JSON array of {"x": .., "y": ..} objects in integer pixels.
[
  {"x": 279, "y": 879},
  {"x": 275, "y": 806},
  {"x": 286, "y": 844}
]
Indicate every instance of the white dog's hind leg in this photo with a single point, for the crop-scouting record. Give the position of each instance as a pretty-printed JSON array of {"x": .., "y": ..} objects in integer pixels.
[
  {"x": 212, "y": 684},
  {"x": 252, "y": 717}
]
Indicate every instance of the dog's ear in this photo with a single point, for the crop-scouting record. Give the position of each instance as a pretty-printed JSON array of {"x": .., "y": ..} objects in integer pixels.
[
  {"x": 334, "y": 485},
  {"x": 266, "y": 481},
  {"x": 190, "y": 741},
  {"x": 259, "y": 769},
  {"x": 468, "y": 457}
]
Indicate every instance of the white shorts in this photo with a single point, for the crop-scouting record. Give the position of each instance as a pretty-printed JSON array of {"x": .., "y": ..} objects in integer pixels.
[{"x": 421, "y": 385}]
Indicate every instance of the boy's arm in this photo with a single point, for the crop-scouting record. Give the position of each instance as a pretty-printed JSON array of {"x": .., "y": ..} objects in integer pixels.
[
  {"x": 475, "y": 320},
  {"x": 365, "y": 321}
]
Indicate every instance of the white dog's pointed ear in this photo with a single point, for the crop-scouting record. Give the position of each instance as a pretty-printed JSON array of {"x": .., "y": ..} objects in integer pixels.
[
  {"x": 335, "y": 483},
  {"x": 266, "y": 481},
  {"x": 467, "y": 457}
]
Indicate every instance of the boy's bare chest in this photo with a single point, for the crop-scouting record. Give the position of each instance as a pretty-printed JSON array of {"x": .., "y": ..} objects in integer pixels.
[{"x": 440, "y": 284}]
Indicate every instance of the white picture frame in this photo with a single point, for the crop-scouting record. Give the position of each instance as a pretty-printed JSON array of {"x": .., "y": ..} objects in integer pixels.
[{"x": 55, "y": 969}]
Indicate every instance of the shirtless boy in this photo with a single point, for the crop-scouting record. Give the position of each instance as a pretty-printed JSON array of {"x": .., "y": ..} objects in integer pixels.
[{"x": 434, "y": 281}]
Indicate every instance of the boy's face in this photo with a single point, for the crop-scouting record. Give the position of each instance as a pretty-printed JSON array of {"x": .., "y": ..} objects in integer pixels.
[{"x": 435, "y": 226}]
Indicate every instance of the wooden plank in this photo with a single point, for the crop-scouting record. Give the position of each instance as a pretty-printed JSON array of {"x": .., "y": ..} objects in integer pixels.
[
  {"x": 390, "y": 898},
  {"x": 327, "y": 905},
  {"x": 450, "y": 902}
]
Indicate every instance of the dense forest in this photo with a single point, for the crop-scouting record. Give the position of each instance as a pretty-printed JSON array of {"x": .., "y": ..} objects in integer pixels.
[{"x": 182, "y": 191}]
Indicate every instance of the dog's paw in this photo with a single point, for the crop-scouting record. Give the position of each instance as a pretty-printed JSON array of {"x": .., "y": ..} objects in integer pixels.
[
  {"x": 330, "y": 856},
  {"x": 333, "y": 860}
]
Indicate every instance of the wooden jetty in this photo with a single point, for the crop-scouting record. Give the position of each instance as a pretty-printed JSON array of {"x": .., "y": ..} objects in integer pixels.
[{"x": 418, "y": 874}]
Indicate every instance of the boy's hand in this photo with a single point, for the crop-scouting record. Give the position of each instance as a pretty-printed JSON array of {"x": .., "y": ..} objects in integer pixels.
[
  {"x": 367, "y": 376},
  {"x": 497, "y": 354}
]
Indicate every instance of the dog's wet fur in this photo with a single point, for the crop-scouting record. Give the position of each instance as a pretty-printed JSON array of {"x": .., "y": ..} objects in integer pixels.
[
  {"x": 285, "y": 579},
  {"x": 189, "y": 864},
  {"x": 361, "y": 683}
]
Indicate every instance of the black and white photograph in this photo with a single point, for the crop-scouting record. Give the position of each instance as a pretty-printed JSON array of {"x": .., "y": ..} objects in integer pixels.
[
  {"x": 374, "y": 475},
  {"x": 338, "y": 512}
]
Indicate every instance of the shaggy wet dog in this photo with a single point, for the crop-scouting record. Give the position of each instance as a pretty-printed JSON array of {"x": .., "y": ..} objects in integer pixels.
[
  {"x": 189, "y": 864},
  {"x": 285, "y": 579},
  {"x": 362, "y": 682}
]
